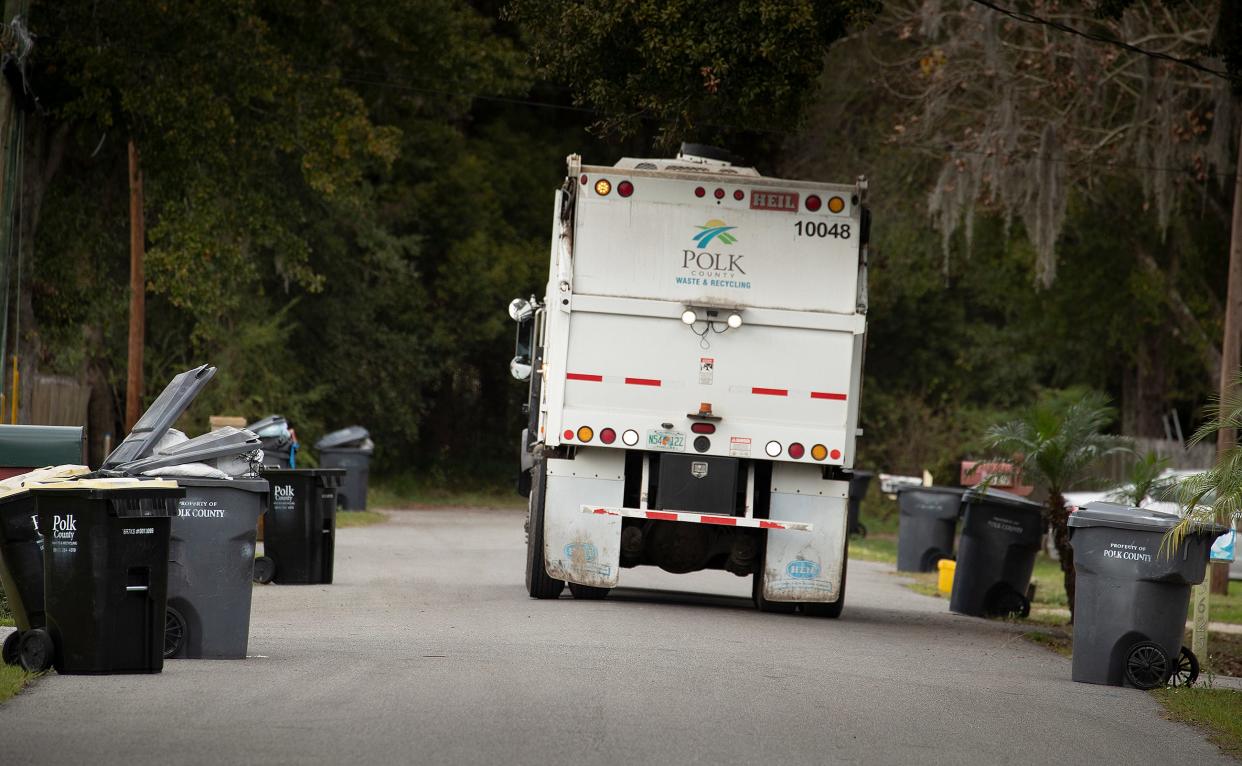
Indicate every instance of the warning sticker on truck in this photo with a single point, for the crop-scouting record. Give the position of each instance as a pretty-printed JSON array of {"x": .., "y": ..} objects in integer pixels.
[
  {"x": 707, "y": 370},
  {"x": 739, "y": 446}
]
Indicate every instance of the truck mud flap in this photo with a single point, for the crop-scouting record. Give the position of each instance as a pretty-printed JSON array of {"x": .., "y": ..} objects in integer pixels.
[
  {"x": 584, "y": 548},
  {"x": 801, "y": 566}
]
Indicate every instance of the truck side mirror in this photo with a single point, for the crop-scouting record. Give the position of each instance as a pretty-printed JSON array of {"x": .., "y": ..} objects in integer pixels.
[
  {"x": 520, "y": 368},
  {"x": 520, "y": 309}
]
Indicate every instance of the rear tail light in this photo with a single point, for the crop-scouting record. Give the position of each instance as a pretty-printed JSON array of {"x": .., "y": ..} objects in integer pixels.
[
  {"x": 569, "y": 434},
  {"x": 819, "y": 452},
  {"x": 585, "y": 434},
  {"x": 630, "y": 437},
  {"x": 812, "y": 202},
  {"x": 608, "y": 436},
  {"x": 773, "y": 449},
  {"x": 739, "y": 195},
  {"x": 703, "y": 428},
  {"x": 700, "y": 191},
  {"x": 625, "y": 188},
  {"x": 835, "y": 454},
  {"x": 719, "y": 193},
  {"x": 796, "y": 451}
]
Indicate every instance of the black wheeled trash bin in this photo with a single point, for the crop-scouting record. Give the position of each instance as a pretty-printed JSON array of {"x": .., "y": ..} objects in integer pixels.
[
  {"x": 1132, "y": 594},
  {"x": 926, "y": 525},
  {"x": 351, "y": 449},
  {"x": 105, "y": 575},
  {"x": 299, "y": 530},
  {"x": 211, "y": 568},
  {"x": 859, "y": 482},
  {"x": 1001, "y": 533}
]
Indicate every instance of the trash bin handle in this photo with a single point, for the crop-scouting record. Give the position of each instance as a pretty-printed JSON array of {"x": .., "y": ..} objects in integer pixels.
[{"x": 135, "y": 588}]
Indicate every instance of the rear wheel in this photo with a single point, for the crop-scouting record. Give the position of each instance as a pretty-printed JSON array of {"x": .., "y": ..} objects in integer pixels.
[
  {"x": 1148, "y": 666},
  {"x": 587, "y": 592},
  {"x": 538, "y": 583},
  {"x": 1187, "y": 670},
  {"x": 12, "y": 648},
  {"x": 264, "y": 570},
  {"x": 36, "y": 650},
  {"x": 833, "y": 610},
  {"x": 931, "y": 559},
  {"x": 174, "y": 632},
  {"x": 1006, "y": 602}
]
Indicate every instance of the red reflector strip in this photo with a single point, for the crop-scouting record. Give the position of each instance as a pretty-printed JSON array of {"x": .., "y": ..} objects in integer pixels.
[
  {"x": 641, "y": 382},
  {"x": 825, "y": 395},
  {"x": 770, "y": 391},
  {"x": 699, "y": 518},
  {"x": 581, "y": 376}
]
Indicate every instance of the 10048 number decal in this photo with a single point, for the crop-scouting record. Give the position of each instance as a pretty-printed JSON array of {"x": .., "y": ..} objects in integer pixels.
[{"x": 823, "y": 229}]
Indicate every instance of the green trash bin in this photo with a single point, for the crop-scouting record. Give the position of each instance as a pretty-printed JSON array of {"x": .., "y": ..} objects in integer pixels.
[{"x": 25, "y": 448}]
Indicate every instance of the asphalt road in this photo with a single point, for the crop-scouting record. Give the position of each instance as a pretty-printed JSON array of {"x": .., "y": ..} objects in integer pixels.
[{"x": 427, "y": 650}]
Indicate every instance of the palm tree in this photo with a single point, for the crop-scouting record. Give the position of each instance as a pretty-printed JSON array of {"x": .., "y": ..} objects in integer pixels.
[
  {"x": 1215, "y": 495},
  {"x": 1055, "y": 444},
  {"x": 1145, "y": 480}
]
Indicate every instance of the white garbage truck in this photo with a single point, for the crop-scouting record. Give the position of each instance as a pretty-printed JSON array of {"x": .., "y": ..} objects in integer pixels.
[{"x": 695, "y": 369}]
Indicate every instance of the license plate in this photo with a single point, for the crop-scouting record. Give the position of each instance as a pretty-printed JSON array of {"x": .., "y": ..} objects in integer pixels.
[{"x": 671, "y": 441}]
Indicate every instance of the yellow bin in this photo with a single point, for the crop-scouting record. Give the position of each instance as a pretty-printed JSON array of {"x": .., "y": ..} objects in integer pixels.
[{"x": 947, "y": 568}]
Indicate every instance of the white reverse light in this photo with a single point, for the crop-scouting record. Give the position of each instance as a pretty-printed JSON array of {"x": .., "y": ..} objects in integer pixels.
[
  {"x": 735, "y": 321},
  {"x": 630, "y": 437},
  {"x": 773, "y": 449},
  {"x": 689, "y": 317}
]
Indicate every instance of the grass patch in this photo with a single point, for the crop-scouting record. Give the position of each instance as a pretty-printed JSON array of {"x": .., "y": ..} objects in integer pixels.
[
  {"x": 926, "y": 583},
  {"x": 1056, "y": 641},
  {"x": 1226, "y": 608},
  {"x": 1217, "y": 711},
  {"x": 408, "y": 492},
  {"x": 12, "y": 680},
  {"x": 881, "y": 548},
  {"x": 358, "y": 518}
]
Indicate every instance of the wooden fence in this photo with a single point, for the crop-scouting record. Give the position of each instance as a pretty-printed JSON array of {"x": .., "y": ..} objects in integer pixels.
[{"x": 1116, "y": 468}]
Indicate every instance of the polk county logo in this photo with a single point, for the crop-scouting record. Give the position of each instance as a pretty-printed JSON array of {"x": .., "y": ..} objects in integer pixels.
[
  {"x": 710, "y": 267},
  {"x": 64, "y": 528}
]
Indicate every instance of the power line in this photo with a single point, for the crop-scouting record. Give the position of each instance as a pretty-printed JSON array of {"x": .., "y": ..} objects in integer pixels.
[{"x": 1030, "y": 18}]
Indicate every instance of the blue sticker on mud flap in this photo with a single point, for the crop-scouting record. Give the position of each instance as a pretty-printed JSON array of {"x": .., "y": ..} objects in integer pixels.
[
  {"x": 801, "y": 569},
  {"x": 589, "y": 553}
]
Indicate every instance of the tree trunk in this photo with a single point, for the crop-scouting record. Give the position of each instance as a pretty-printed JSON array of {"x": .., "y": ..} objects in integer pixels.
[
  {"x": 1058, "y": 526},
  {"x": 1231, "y": 342},
  {"x": 1143, "y": 389}
]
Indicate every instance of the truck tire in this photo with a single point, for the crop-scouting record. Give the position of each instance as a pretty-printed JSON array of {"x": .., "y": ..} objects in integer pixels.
[
  {"x": 756, "y": 588},
  {"x": 538, "y": 583},
  {"x": 832, "y": 610},
  {"x": 588, "y": 592}
]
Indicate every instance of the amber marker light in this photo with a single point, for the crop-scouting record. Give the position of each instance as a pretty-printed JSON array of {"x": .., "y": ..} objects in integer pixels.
[
  {"x": 836, "y": 205},
  {"x": 585, "y": 433},
  {"x": 819, "y": 452},
  {"x": 602, "y": 187}
]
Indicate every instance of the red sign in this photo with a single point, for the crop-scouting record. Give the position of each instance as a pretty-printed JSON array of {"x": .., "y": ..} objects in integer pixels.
[{"x": 774, "y": 200}]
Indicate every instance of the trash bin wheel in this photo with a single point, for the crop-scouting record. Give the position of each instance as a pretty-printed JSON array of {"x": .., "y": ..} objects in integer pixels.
[
  {"x": 36, "y": 650},
  {"x": 1147, "y": 665},
  {"x": 587, "y": 592},
  {"x": 12, "y": 653},
  {"x": 174, "y": 632},
  {"x": 861, "y": 530},
  {"x": 264, "y": 570},
  {"x": 1004, "y": 601},
  {"x": 931, "y": 558},
  {"x": 1187, "y": 670}
]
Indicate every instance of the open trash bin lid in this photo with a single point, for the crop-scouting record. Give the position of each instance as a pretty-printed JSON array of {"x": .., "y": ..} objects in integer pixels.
[
  {"x": 160, "y": 416},
  {"x": 224, "y": 442}
]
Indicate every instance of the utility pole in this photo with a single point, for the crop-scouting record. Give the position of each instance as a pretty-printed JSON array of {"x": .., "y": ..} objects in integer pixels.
[{"x": 137, "y": 292}]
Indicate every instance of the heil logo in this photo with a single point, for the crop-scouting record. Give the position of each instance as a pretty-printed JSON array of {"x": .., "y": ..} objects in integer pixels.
[{"x": 801, "y": 569}]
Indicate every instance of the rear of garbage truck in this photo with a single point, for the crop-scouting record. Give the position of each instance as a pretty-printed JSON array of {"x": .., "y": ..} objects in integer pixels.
[{"x": 695, "y": 370}]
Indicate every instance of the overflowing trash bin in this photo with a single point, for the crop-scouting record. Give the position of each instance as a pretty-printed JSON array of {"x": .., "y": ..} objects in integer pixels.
[
  {"x": 299, "y": 530},
  {"x": 351, "y": 449},
  {"x": 1132, "y": 594},
  {"x": 1001, "y": 535},
  {"x": 278, "y": 440},
  {"x": 105, "y": 569},
  {"x": 926, "y": 525},
  {"x": 859, "y": 482},
  {"x": 21, "y": 553}
]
